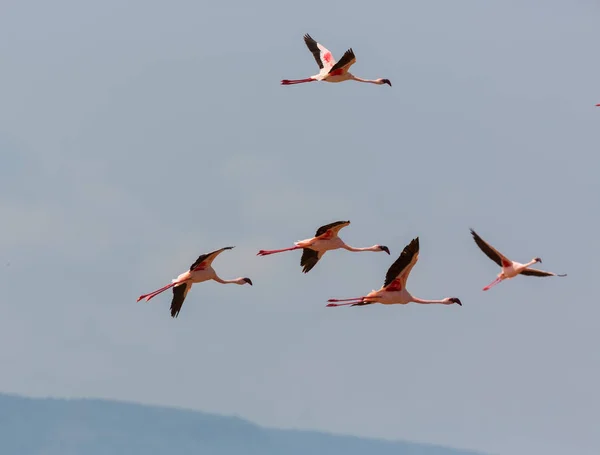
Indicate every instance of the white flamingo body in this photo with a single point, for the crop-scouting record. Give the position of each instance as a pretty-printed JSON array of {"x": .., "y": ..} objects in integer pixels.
[
  {"x": 326, "y": 244},
  {"x": 330, "y": 70},
  {"x": 393, "y": 291},
  {"x": 325, "y": 239},
  {"x": 510, "y": 269},
  {"x": 201, "y": 270},
  {"x": 387, "y": 297}
]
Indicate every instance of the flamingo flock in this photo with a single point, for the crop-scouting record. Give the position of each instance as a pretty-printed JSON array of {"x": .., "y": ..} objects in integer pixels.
[
  {"x": 393, "y": 291},
  {"x": 326, "y": 238}
]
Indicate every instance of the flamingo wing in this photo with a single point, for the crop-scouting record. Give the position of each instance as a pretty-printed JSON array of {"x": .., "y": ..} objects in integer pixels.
[
  {"x": 490, "y": 251},
  {"x": 321, "y": 54},
  {"x": 179, "y": 293},
  {"x": 536, "y": 272},
  {"x": 344, "y": 63},
  {"x": 397, "y": 274},
  {"x": 309, "y": 259},
  {"x": 333, "y": 227},
  {"x": 205, "y": 260}
]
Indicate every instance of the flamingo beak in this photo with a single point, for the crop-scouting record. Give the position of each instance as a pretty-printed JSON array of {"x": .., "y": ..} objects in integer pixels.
[
  {"x": 385, "y": 248},
  {"x": 248, "y": 280},
  {"x": 455, "y": 300},
  {"x": 387, "y": 81}
]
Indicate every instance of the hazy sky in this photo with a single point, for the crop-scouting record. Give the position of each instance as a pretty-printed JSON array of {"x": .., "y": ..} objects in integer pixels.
[{"x": 136, "y": 135}]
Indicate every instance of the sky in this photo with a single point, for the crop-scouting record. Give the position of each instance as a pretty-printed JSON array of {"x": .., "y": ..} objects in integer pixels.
[{"x": 135, "y": 136}]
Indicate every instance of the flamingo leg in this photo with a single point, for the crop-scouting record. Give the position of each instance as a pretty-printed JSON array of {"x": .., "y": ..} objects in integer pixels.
[
  {"x": 155, "y": 293},
  {"x": 493, "y": 283},
  {"x": 267, "y": 252},
  {"x": 347, "y": 301},
  {"x": 296, "y": 81}
]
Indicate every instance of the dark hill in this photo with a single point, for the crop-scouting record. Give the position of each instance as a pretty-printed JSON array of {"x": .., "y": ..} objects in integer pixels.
[{"x": 31, "y": 426}]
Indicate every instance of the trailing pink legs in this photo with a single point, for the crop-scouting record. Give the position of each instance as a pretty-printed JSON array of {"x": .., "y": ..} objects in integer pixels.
[
  {"x": 267, "y": 252},
  {"x": 493, "y": 283},
  {"x": 349, "y": 301},
  {"x": 296, "y": 81},
  {"x": 155, "y": 293}
]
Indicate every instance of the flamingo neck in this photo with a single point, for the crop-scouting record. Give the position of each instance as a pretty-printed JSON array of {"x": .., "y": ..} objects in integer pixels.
[
  {"x": 418, "y": 300},
  {"x": 218, "y": 279},
  {"x": 359, "y": 79},
  {"x": 524, "y": 266},
  {"x": 368, "y": 248}
]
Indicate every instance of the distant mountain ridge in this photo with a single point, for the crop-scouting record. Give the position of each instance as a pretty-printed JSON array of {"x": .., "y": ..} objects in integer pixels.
[{"x": 50, "y": 426}]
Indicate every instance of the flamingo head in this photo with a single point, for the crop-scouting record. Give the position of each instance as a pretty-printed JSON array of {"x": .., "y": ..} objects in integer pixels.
[
  {"x": 537, "y": 259},
  {"x": 385, "y": 81},
  {"x": 454, "y": 300},
  {"x": 384, "y": 248},
  {"x": 246, "y": 280}
]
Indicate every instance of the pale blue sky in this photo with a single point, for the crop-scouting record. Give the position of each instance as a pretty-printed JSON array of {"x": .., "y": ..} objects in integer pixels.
[{"x": 124, "y": 125}]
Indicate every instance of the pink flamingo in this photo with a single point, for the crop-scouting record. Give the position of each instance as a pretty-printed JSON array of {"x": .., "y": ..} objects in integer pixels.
[
  {"x": 325, "y": 239},
  {"x": 394, "y": 290},
  {"x": 330, "y": 70},
  {"x": 510, "y": 269},
  {"x": 200, "y": 271}
]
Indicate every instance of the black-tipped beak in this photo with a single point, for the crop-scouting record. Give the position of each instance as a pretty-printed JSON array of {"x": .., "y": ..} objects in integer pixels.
[
  {"x": 385, "y": 248},
  {"x": 248, "y": 280},
  {"x": 457, "y": 301},
  {"x": 387, "y": 81}
]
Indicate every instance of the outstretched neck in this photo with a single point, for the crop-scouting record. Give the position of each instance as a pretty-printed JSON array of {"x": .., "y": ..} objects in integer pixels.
[
  {"x": 218, "y": 279},
  {"x": 360, "y": 79},
  {"x": 418, "y": 300},
  {"x": 368, "y": 248},
  {"x": 524, "y": 266}
]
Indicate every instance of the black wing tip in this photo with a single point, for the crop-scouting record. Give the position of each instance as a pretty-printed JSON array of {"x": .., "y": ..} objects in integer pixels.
[
  {"x": 308, "y": 267},
  {"x": 350, "y": 53},
  {"x": 178, "y": 299},
  {"x": 308, "y": 259}
]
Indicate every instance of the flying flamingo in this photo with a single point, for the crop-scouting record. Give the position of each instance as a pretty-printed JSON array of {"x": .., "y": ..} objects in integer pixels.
[
  {"x": 200, "y": 271},
  {"x": 330, "y": 70},
  {"x": 394, "y": 290},
  {"x": 510, "y": 269},
  {"x": 324, "y": 240}
]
